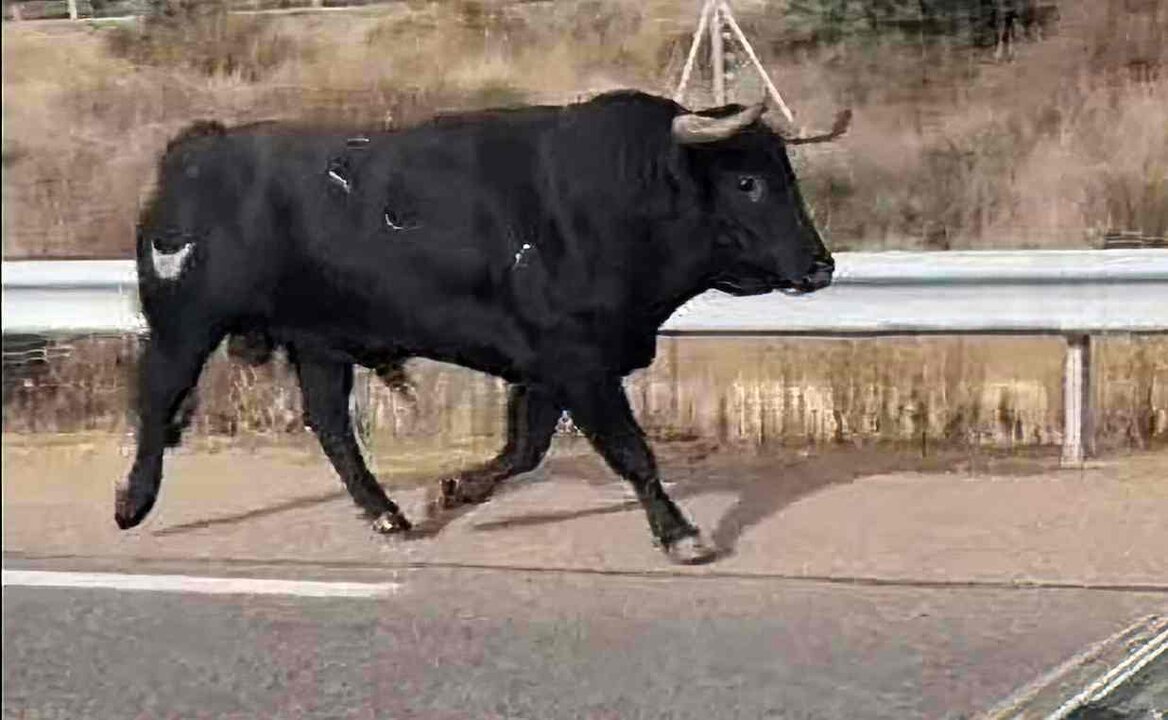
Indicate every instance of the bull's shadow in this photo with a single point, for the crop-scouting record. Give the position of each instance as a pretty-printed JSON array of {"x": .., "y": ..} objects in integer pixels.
[
  {"x": 245, "y": 516},
  {"x": 764, "y": 483}
]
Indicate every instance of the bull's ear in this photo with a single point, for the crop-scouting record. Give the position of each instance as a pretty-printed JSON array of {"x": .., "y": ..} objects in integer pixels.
[{"x": 692, "y": 128}]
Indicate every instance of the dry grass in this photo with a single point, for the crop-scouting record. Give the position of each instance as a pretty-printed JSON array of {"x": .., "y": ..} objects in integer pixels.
[
  {"x": 923, "y": 393},
  {"x": 951, "y": 147},
  {"x": 1066, "y": 140}
]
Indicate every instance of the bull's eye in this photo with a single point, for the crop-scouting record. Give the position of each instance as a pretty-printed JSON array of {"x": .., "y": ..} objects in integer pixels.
[{"x": 752, "y": 186}]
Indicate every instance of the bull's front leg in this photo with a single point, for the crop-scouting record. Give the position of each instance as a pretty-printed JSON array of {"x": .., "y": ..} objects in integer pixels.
[
  {"x": 325, "y": 386},
  {"x": 601, "y": 410},
  {"x": 532, "y": 414},
  {"x": 168, "y": 372}
]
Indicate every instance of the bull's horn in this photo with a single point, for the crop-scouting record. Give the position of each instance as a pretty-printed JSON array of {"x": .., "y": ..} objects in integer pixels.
[
  {"x": 693, "y": 128},
  {"x": 839, "y": 127}
]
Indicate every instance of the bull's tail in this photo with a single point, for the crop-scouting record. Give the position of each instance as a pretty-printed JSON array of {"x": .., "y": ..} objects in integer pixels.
[{"x": 393, "y": 374}]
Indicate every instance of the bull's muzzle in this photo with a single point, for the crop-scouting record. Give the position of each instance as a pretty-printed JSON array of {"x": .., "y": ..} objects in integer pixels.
[{"x": 817, "y": 277}]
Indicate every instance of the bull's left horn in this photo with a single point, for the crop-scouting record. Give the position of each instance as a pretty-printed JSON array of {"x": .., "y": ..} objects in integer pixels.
[
  {"x": 692, "y": 128},
  {"x": 839, "y": 127}
]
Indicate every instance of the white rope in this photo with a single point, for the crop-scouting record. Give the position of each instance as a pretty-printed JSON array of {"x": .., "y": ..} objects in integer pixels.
[
  {"x": 693, "y": 50},
  {"x": 774, "y": 91},
  {"x": 713, "y": 7}
]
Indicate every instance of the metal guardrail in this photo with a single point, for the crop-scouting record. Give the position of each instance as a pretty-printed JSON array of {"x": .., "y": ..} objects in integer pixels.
[
  {"x": 70, "y": 296},
  {"x": 908, "y": 293},
  {"x": 1073, "y": 293}
]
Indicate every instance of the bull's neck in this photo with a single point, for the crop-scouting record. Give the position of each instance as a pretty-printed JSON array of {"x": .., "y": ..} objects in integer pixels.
[{"x": 681, "y": 275}]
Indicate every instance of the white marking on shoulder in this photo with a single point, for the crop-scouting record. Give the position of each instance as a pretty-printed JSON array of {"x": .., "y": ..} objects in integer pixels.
[{"x": 169, "y": 266}]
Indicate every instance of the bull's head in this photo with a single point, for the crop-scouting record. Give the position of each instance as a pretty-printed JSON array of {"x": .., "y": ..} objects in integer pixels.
[{"x": 764, "y": 237}]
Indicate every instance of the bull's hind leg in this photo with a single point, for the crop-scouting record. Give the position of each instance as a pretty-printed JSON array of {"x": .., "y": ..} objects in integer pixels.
[
  {"x": 326, "y": 386},
  {"x": 168, "y": 372},
  {"x": 601, "y": 410},
  {"x": 532, "y": 413}
]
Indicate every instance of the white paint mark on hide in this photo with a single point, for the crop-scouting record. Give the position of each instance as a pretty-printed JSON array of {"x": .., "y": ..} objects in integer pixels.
[
  {"x": 521, "y": 254},
  {"x": 340, "y": 181},
  {"x": 168, "y": 266},
  {"x": 392, "y": 225}
]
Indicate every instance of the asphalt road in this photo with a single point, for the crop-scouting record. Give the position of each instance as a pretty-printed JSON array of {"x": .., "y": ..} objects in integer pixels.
[{"x": 506, "y": 644}]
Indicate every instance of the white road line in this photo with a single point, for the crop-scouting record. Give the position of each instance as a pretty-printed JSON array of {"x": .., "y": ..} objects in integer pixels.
[
  {"x": 196, "y": 584},
  {"x": 1115, "y": 677}
]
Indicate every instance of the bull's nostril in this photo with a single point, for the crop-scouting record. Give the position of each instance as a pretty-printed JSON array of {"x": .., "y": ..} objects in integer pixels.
[
  {"x": 820, "y": 268},
  {"x": 818, "y": 277}
]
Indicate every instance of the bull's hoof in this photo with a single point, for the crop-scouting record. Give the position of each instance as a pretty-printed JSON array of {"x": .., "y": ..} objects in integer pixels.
[
  {"x": 464, "y": 490},
  {"x": 447, "y": 494},
  {"x": 691, "y": 550},
  {"x": 130, "y": 509},
  {"x": 389, "y": 523}
]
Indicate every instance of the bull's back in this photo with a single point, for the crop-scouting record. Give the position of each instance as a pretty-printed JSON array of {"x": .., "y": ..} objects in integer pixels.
[
  {"x": 408, "y": 237},
  {"x": 417, "y": 240}
]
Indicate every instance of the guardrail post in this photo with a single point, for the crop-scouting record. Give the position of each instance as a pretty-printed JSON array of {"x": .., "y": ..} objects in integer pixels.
[{"x": 1078, "y": 425}]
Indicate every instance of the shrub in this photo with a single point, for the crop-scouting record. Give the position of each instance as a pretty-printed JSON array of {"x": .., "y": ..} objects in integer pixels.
[{"x": 204, "y": 37}]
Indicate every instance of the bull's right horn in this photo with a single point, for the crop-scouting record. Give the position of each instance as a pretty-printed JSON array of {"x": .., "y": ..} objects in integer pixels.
[{"x": 692, "y": 128}]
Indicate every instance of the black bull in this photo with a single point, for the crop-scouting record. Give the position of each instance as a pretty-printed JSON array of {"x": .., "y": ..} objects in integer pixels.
[{"x": 543, "y": 245}]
